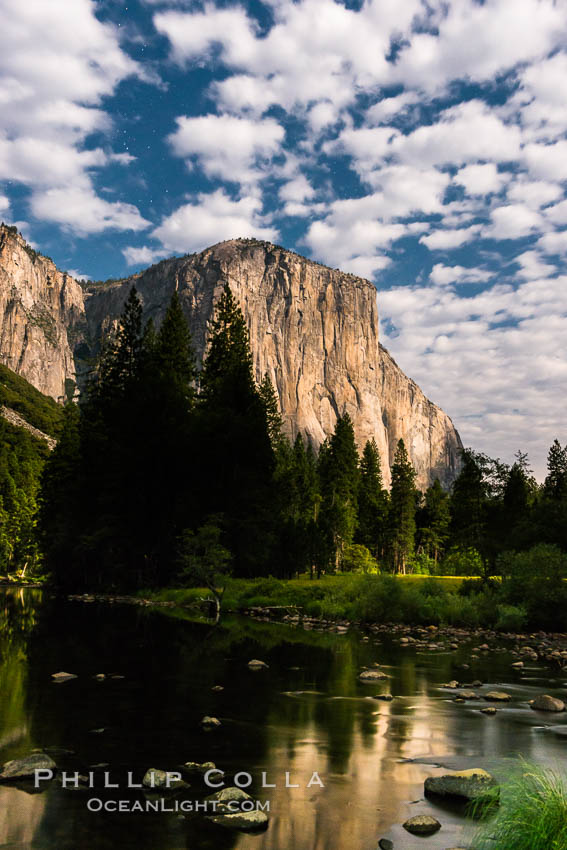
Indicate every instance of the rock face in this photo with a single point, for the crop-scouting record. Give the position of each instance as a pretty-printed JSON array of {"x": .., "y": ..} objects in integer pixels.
[
  {"x": 314, "y": 330},
  {"x": 42, "y": 316}
]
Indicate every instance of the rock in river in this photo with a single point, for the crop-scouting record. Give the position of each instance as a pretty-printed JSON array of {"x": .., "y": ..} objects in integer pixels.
[
  {"x": 25, "y": 768},
  {"x": 372, "y": 675},
  {"x": 545, "y": 702},
  {"x": 63, "y": 677},
  {"x": 464, "y": 784},
  {"x": 497, "y": 696},
  {"x": 210, "y": 722},
  {"x": 154, "y": 778},
  {"x": 255, "y": 664},
  {"x": 244, "y": 821},
  {"x": 422, "y": 825}
]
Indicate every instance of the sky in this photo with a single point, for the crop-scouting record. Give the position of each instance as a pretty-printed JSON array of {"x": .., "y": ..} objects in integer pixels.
[{"x": 421, "y": 144}]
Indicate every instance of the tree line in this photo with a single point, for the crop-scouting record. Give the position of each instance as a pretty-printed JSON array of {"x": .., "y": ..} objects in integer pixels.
[{"x": 163, "y": 468}]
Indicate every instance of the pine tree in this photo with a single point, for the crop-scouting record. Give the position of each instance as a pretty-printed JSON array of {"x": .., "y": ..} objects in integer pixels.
[
  {"x": 236, "y": 456},
  {"x": 174, "y": 353},
  {"x": 372, "y": 501},
  {"x": 555, "y": 485},
  {"x": 402, "y": 509},
  {"x": 468, "y": 503},
  {"x": 338, "y": 474},
  {"x": 273, "y": 416},
  {"x": 434, "y": 532}
]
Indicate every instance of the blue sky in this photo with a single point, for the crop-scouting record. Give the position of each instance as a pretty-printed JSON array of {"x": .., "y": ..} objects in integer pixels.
[{"x": 422, "y": 145}]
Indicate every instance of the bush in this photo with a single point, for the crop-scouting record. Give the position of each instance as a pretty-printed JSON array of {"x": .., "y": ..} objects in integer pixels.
[
  {"x": 358, "y": 559},
  {"x": 461, "y": 562},
  {"x": 511, "y": 618},
  {"x": 535, "y": 581}
]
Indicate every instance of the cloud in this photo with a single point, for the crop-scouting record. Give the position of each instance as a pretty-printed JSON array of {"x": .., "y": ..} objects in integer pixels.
[
  {"x": 534, "y": 193},
  {"x": 58, "y": 62},
  {"x": 442, "y": 275},
  {"x": 317, "y": 50},
  {"x": 497, "y": 360},
  {"x": 80, "y": 209},
  {"x": 443, "y": 240},
  {"x": 234, "y": 149},
  {"x": 213, "y": 218},
  {"x": 144, "y": 256},
  {"x": 4, "y": 204},
  {"x": 513, "y": 221},
  {"x": 532, "y": 266},
  {"x": 477, "y": 41},
  {"x": 481, "y": 179},
  {"x": 553, "y": 243}
]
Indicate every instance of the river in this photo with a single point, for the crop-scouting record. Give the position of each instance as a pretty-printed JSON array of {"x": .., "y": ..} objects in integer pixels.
[{"x": 306, "y": 714}]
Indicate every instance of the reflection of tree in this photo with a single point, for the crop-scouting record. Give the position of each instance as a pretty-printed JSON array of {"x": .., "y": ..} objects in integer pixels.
[{"x": 19, "y": 812}]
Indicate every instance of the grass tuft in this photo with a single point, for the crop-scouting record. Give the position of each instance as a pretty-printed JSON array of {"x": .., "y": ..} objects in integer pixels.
[{"x": 532, "y": 814}]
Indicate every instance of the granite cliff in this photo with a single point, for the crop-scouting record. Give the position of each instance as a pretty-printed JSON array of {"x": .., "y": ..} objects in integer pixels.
[{"x": 314, "y": 330}]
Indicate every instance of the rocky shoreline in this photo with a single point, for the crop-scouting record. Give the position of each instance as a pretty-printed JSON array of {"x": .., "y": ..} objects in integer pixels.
[{"x": 539, "y": 646}]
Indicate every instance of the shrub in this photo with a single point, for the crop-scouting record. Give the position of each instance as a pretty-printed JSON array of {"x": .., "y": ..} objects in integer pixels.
[
  {"x": 461, "y": 561},
  {"x": 511, "y": 618},
  {"x": 358, "y": 559}
]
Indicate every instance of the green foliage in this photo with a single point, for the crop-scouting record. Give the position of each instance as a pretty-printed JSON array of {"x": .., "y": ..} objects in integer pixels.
[
  {"x": 535, "y": 580},
  {"x": 511, "y": 618},
  {"x": 434, "y": 521},
  {"x": 203, "y": 559},
  {"x": 358, "y": 559},
  {"x": 338, "y": 475},
  {"x": 37, "y": 409},
  {"x": 22, "y": 457},
  {"x": 531, "y": 814},
  {"x": 402, "y": 510},
  {"x": 462, "y": 561},
  {"x": 373, "y": 501}
]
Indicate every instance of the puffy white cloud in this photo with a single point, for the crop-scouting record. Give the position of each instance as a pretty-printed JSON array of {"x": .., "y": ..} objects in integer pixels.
[
  {"x": 234, "y": 149},
  {"x": 513, "y": 221},
  {"x": 317, "y": 50},
  {"x": 446, "y": 240},
  {"x": 443, "y": 275},
  {"x": 57, "y": 63},
  {"x": 547, "y": 162},
  {"x": 213, "y": 218},
  {"x": 298, "y": 189},
  {"x": 532, "y": 266},
  {"x": 390, "y": 108},
  {"x": 497, "y": 361},
  {"x": 80, "y": 209},
  {"x": 481, "y": 179},
  {"x": 557, "y": 213},
  {"x": 534, "y": 193},
  {"x": 4, "y": 204},
  {"x": 553, "y": 243},
  {"x": 477, "y": 41},
  {"x": 143, "y": 256}
]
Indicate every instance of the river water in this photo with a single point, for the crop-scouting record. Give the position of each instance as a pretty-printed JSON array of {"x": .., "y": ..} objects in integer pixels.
[{"x": 308, "y": 713}]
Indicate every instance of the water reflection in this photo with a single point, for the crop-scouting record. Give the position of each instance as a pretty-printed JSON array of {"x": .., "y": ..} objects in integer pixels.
[{"x": 307, "y": 713}]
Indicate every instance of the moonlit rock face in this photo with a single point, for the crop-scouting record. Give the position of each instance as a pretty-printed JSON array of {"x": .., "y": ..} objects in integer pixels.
[
  {"x": 38, "y": 306},
  {"x": 314, "y": 330}
]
